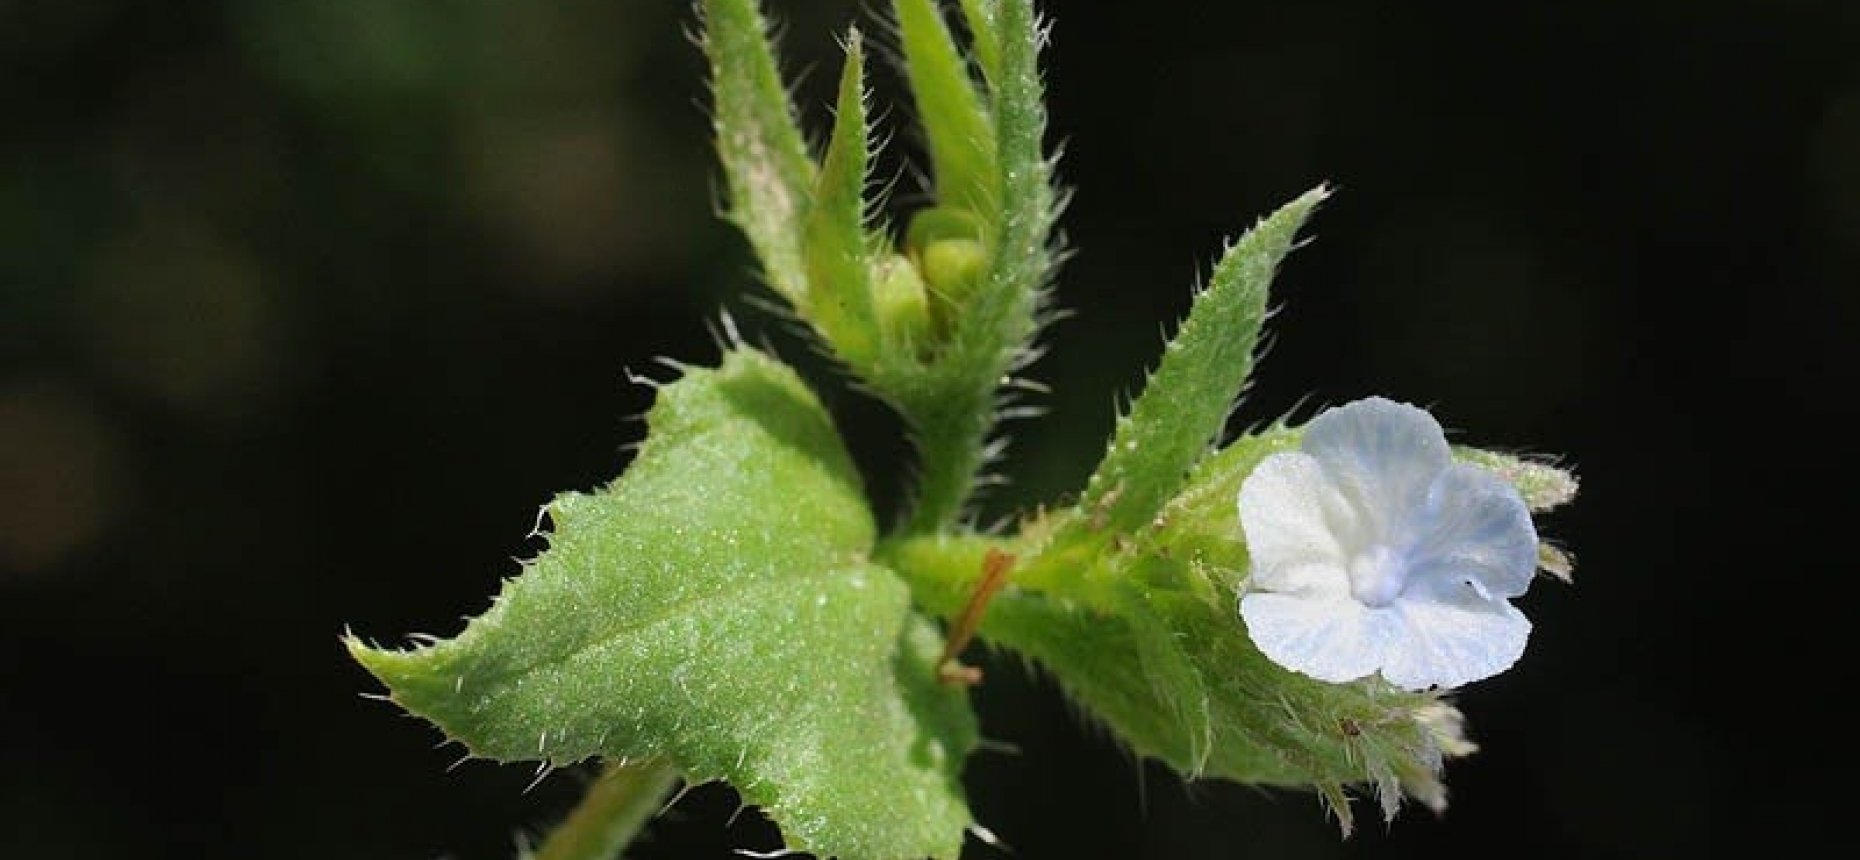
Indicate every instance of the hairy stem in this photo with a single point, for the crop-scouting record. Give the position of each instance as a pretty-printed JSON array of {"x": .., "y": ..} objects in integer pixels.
[
  {"x": 617, "y": 805},
  {"x": 952, "y": 449},
  {"x": 944, "y": 570}
]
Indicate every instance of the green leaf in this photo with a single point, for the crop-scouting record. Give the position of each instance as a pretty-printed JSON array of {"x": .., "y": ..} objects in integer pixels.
[
  {"x": 764, "y": 155},
  {"x": 838, "y": 261},
  {"x": 715, "y": 607},
  {"x": 1001, "y": 318},
  {"x": 1202, "y": 522},
  {"x": 956, "y": 125},
  {"x": 980, "y": 15},
  {"x": 1187, "y": 399}
]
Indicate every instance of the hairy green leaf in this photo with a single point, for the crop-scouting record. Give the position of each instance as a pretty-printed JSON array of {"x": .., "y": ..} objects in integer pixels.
[
  {"x": 839, "y": 265},
  {"x": 1187, "y": 399},
  {"x": 956, "y": 124},
  {"x": 980, "y": 15},
  {"x": 764, "y": 155},
  {"x": 715, "y": 608}
]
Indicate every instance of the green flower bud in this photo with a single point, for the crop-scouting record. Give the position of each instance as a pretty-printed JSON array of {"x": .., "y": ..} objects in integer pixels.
[
  {"x": 947, "y": 246},
  {"x": 900, "y": 302},
  {"x": 953, "y": 266}
]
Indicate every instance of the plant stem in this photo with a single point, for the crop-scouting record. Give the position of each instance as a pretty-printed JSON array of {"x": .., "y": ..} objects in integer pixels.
[
  {"x": 951, "y": 432},
  {"x": 617, "y": 805},
  {"x": 944, "y": 570}
]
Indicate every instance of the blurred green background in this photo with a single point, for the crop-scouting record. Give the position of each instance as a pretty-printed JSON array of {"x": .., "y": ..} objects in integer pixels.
[{"x": 306, "y": 306}]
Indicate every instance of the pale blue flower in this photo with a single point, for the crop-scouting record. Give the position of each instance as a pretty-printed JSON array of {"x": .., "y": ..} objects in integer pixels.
[{"x": 1373, "y": 551}]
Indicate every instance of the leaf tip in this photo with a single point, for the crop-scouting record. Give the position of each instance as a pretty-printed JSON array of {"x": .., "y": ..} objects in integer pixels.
[{"x": 1302, "y": 207}]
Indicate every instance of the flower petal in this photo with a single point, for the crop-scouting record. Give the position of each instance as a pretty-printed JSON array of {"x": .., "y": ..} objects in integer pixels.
[
  {"x": 1312, "y": 581},
  {"x": 1473, "y": 530},
  {"x": 1334, "y": 640},
  {"x": 1449, "y": 643},
  {"x": 1384, "y": 454},
  {"x": 1289, "y": 511}
]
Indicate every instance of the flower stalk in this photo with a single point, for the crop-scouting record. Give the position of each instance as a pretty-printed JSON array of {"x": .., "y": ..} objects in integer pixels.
[{"x": 622, "y": 799}]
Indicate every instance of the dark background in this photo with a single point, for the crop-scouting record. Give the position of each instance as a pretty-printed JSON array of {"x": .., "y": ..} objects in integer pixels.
[{"x": 309, "y": 305}]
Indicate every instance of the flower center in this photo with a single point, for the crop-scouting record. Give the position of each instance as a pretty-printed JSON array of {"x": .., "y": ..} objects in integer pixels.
[{"x": 1377, "y": 575}]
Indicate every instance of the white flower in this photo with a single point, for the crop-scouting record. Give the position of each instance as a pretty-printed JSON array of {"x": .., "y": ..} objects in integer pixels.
[{"x": 1373, "y": 551}]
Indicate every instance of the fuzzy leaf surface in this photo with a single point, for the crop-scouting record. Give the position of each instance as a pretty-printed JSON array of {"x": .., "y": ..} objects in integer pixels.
[
  {"x": 765, "y": 161},
  {"x": 956, "y": 125},
  {"x": 981, "y": 15},
  {"x": 836, "y": 245},
  {"x": 1187, "y": 399},
  {"x": 715, "y": 607}
]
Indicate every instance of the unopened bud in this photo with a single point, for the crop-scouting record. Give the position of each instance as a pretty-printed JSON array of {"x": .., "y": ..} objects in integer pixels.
[
  {"x": 900, "y": 303},
  {"x": 947, "y": 246}
]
